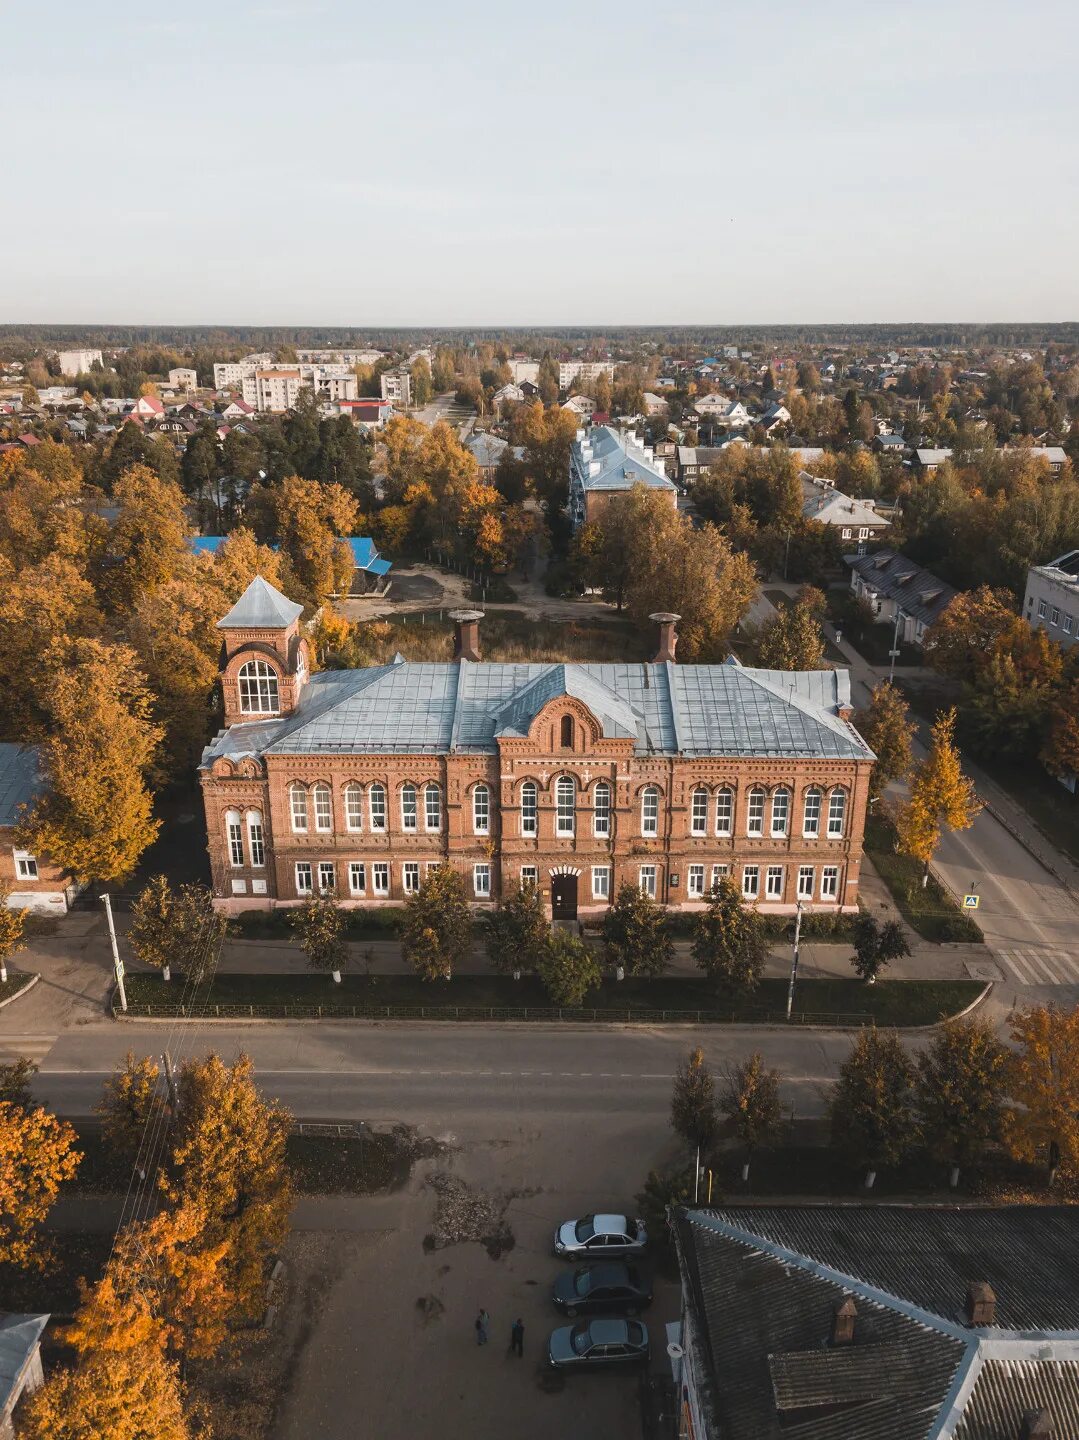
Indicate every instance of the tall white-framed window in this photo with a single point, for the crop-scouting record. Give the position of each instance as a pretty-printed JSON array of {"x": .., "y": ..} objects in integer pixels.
[
  {"x": 481, "y": 810},
  {"x": 376, "y": 806},
  {"x": 380, "y": 878},
  {"x": 601, "y": 810},
  {"x": 829, "y": 882},
  {"x": 806, "y": 877},
  {"x": 323, "y": 809},
  {"x": 781, "y": 811},
  {"x": 235, "y": 832},
  {"x": 719, "y": 872},
  {"x": 409, "y": 807},
  {"x": 811, "y": 813},
  {"x": 698, "y": 812},
  {"x": 258, "y": 688},
  {"x": 529, "y": 808},
  {"x": 327, "y": 877},
  {"x": 298, "y": 807},
  {"x": 481, "y": 881},
  {"x": 649, "y": 810},
  {"x": 773, "y": 882},
  {"x": 755, "y": 812},
  {"x": 646, "y": 880},
  {"x": 357, "y": 878},
  {"x": 724, "y": 811},
  {"x": 529, "y": 876},
  {"x": 695, "y": 882},
  {"x": 601, "y": 882},
  {"x": 837, "y": 813},
  {"x": 432, "y": 807},
  {"x": 751, "y": 881},
  {"x": 410, "y": 876},
  {"x": 303, "y": 877},
  {"x": 25, "y": 865},
  {"x": 565, "y": 805},
  {"x": 354, "y": 807},
  {"x": 256, "y": 839}
]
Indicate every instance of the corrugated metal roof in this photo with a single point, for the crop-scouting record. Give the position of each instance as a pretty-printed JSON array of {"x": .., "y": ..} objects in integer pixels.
[
  {"x": 260, "y": 606},
  {"x": 1007, "y": 1389},
  {"x": 20, "y": 779},
  {"x": 20, "y": 1336}
]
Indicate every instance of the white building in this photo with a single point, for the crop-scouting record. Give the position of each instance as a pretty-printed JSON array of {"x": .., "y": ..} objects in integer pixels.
[
  {"x": 397, "y": 387},
  {"x": 274, "y": 391},
  {"x": 1052, "y": 598},
  {"x": 712, "y": 405},
  {"x": 339, "y": 357},
  {"x": 584, "y": 371},
  {"x": 78, "y": 362},
  {"x": 582, "y": 406},
  {"x": 183, "y": 378},
  {"x": 524, "y": 370}
]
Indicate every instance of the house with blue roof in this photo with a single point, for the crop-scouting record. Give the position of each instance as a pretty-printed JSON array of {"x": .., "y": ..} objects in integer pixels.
[{"x": 370, "y": 576}]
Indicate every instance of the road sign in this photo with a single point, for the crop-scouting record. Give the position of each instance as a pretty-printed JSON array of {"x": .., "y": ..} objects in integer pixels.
[{"x": 970, "y": 902}]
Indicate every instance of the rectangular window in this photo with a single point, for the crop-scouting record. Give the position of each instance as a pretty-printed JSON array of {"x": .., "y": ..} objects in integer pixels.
[
  {"x": 357, "y": 878},
  {"x": 773, "y": 882},
  {"x": 698, "y": 820},
  {"x": 601, "y": 813},
  {"x": 781, "y": 804},
  {"x": 303, "y": 878},
  {"x": 811, "y": 818},
  {"x": 805, "y": 882},
  {"x": 481, "y": 810},
  {"x": 719, "y": 872},
  {"x": 410, "y": 876},
  {"x": 1054, "y": 618},
  {"x": 601, "y": 882},
  {"x": 529, "y": 875},
  {"x": 751, "y": 881},
  {"x": 1043, "y": 609},
  {"x": 432, "y": 808},
  {"x": 239, "y": 887},
  {"x": 695, "y": 882},
  {"x": 378, "y": 807},
  {"x": 846, "y": 534},
  {"x": 327, "y": 876},
  {"x": 837, "y": 808},
  {"x": 566, "y": 808},
  {"x": 323, "y": 809},
  {"x": 380, "y": 879},
  {"x": 755, "y": 814},
  {"x": 829, "y": 882},
  {"x": 1068, "y": 624},
  {"x": 529, "y": 822},
  {"x": 409, "y": 818},
  {"x": 650, "y": 812},
  {"x": 256, "y": 841},
  {"x": 481, "y": 881},
  {"x": 236, "y": 843},
  {"x": 299, "y": 808},
  {"x": 354, "y": 807},
  {"x": 646, "y": 879},
  {"x": 724, "y": 812}
]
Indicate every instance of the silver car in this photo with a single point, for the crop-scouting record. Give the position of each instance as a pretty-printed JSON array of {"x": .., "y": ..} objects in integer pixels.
[
  {"x": 597, "y": 1343},
  {"x": 600, "y": 1237}
]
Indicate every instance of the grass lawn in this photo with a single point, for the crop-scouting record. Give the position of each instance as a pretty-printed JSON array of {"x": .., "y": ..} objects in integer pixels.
[
  {"x": 930, "y": 911},
  {"x": 14, "y": 984},
  {"x": 468, "y": 997}
]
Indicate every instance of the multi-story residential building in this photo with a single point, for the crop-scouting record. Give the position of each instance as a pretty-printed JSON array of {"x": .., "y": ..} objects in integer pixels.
[
  {"x": 574, "y": 778},
  {"x": 272, "y": 390},
  {"x": 606, "y": 462},
  {"x": 1051, "y": 602},
  {"x": 183, "y": 378},
  {"x": 583, "y": 371},
  {"x": 339, "y": 357},
  {"x": 397, "y": 387},
  {"x": 522, "y": 370},
  {"x": 78, "y": 362}
]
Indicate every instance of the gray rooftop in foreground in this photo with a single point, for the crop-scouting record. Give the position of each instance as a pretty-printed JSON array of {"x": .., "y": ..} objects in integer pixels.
[
  {"x": 19, "y": 1337},
  {"x": 20, "y": 779},
  {"x": 667, "y": 709},
  {"x": 261, "y": 606}
]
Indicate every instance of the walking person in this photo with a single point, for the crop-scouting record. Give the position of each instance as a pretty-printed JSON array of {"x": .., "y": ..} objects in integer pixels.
[
  {"x": 482, "y": 1322},
  {"x": 517, "y": 1338}
]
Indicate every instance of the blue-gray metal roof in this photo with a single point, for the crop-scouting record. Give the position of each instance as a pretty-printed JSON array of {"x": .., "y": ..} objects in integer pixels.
[
  {"x": 21, "y": 781},
  {"x": 441, "y": 708},
  {"x": 261, "y": 606},
  {"x": 20, "y": 1336},
  {"x": 620, "y": 466}
]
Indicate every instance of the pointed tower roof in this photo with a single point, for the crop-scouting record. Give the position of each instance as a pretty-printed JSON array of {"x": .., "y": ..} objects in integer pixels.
[{"x": 261, "y": 607}]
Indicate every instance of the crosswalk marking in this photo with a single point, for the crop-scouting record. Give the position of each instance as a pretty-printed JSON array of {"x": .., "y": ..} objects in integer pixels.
[
  {"x": 29, "y": 1047},
  {"x": 1031, "y": 966}
]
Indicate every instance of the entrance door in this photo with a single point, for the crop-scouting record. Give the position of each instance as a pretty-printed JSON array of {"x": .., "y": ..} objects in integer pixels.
[{"x": 563, "y": 897}]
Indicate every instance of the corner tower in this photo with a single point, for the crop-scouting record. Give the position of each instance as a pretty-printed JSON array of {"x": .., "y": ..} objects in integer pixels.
[{"x": 264, "y": 659}]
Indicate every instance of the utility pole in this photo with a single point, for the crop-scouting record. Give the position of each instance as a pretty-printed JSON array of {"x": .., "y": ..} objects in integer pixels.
[
  {"x": 894, "y": 651},
  {"x": 117, "y": 963},
  {"x": 794, "y": 958},
  {"x": 170, "y": 1076}
]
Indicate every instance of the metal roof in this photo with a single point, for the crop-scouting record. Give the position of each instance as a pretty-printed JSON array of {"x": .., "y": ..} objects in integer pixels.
[
  {"x": 261, "y": 606},
  {"x": 20, "y": 1336},
  {"x": 822, "y": 502},
  {"x": 620, "y": 463},
  {"x": 916, "y": 592},
  {"x": 21, "y": 780}
]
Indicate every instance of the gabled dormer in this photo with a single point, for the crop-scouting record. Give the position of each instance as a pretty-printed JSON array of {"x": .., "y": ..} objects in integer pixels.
[{"x": 264, "y": 661}]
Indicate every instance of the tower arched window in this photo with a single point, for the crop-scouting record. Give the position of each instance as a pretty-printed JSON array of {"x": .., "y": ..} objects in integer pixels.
[
  {"x": 256, "y": 839},
  {"x": 698, "y": 812},
  {"x": 529, "y": 804},
  {"x": 565, "y": 805},
  {"x": 258, "y": 688},
  {"x": 567, "y": 732},
  {"x": 235, "y": 832}
]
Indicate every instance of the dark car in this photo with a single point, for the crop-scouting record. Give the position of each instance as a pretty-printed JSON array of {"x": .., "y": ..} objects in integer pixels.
[
  {"x": 602, "y": 1290},
  {"x": 592, "y": 1344}
]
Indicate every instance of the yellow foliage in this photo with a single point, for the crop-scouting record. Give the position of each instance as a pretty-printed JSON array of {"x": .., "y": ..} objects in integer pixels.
[
  {"x": 136, "y": 1395},
  {"x": 37, "y": 1154},
  {"x": 940, "y": 794},
  {"x": 1043, "y": 1086}
]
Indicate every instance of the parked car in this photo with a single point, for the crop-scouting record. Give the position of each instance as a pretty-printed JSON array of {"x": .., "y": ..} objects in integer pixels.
[
  {"x": 592, "y": 1344},
  {"x": 600, "y": 1237},
  {"x": 602, "y": 1290}
]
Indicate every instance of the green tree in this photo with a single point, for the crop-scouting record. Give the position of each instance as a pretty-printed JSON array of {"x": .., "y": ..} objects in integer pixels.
[
  {"x": 694, "y": 1114},
  {"x": 876, "y": 945},
  {"x": 201, "y": 463},
  {"x": 436, "y": 934},
  {"x": 750, "y": 1102},
  {"x": 940, "y": 794},
  {"x": 568, "y": 969},
  {"x": 729, "y": 940},
  {"x": 319, "y": 925},
  {"x": 960, "y": 1088},
  {"x": 872, "y": 1106},
  {"x": 636, "y": 937},
  {"x": 886, "y": 727},
  {"x": 16, "y": 1077},
  {"x": 516, "y": 933},
  {"x": 791, "y": 639}
]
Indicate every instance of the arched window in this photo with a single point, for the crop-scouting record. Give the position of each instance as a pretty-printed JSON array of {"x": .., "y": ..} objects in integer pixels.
[
  {"x": 354, "y": 806},
  {"x": 649, "y": 810},
  {"x": 567, "y": 732},
  {"x": 481, "y": 810},
  {"x": 298, "y": 805},
  {"x": 235, "y": 833},
  {"x": 323, "y": 809},
  {"x": 565, "y": 805},
  {"x": 256, "y": 839},
  {"x": 811, "y": 813},
  {"x": 837, "y": 813},
  {"x": 755, "y": 813},
  {"x": 376, "y": 806},
  {"x": 258, "y": 688},
  {"x": 724, "y": 811},
  {"x": 601, "y": 809},
  {"x": 529, "y": 807},
  {"x": 409, "y": 816},
  {"x": 432, "y": 807},
  {"x": 781, "y": 811},
  {"x": 698, "y": 812}
]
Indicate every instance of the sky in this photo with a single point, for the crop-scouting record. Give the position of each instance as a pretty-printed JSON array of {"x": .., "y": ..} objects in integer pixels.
[{"x": 597, "y": 163}]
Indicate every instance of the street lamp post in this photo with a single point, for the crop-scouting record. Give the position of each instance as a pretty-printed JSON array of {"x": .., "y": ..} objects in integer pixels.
[
  {"x": 117, "y": 963},
  {"x": 894, "y": 651},
  {"x": 794, "y": 958}
]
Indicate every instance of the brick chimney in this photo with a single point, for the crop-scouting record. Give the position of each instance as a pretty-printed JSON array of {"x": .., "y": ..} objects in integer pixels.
[
  {"x": 1036, "y": 1425},
  {"x": 843, "y": 1317},
  {"x": 466, "y": 639},
  {"x": 668, "y": 636},
  {"x": 981, "y": 1304}
]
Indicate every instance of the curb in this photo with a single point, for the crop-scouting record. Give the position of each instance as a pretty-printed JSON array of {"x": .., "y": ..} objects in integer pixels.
[
  {"x": 1017, "y": 834},
  {"x": 34, "y": 978}
]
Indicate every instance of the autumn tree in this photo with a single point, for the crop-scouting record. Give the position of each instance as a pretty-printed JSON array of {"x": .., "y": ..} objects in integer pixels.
[
  {"x": 95, "y": 817},
  {"x": 886, "y": 727},
  {"x": 791, "y": 639},
  {"x": 37, "y": 1154},
  {"x": 972, "y": 628},
  {"x": 693, "y": 1101},
  {"x": 148, "y": 541},
  {"x": 319, "y": 925},
  {"x": 730, "y": 943},
  {"x": 876, "y": 945},
  {"x": 1041, "y": 1123},
  {"x": 129, "y": 1102},
  {"x": 750, "y": 1101},
  {"x": 961, "y": 1076},
  {"x": 43, "y": 603},
  {"x": 940, "y": 795},
  {"x": 568, "y": 969},
  {"x": 309, "y": 521},
  {"x": 15, "y": 1080},
  {"x": 636, "y": 937},
  {"x": 436, "y": 933},
  {"x": 872, "y": 1111},
  {"x": 134, "y": 1395},
  {"x": 516, "y": 932},
  {"x": 177, "y": 927},
  {"x": 12, "y": 930}
]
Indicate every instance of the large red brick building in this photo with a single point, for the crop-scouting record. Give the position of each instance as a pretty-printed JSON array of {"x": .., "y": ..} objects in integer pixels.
[{"x": 578, "y": 778}]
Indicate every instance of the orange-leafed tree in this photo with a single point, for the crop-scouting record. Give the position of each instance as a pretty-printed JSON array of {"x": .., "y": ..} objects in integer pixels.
[
  {"x": 134, "y": 1395},
  {"x": 129, "y": 1102},
  {"x": 37, "y": 1154},
  {"x": 1042, "y": 1083},
  {"x": 940, "y": 795}
]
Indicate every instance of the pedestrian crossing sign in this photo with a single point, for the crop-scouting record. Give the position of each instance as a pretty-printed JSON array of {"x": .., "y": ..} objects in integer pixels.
[{"x": 970, "y": 902}]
